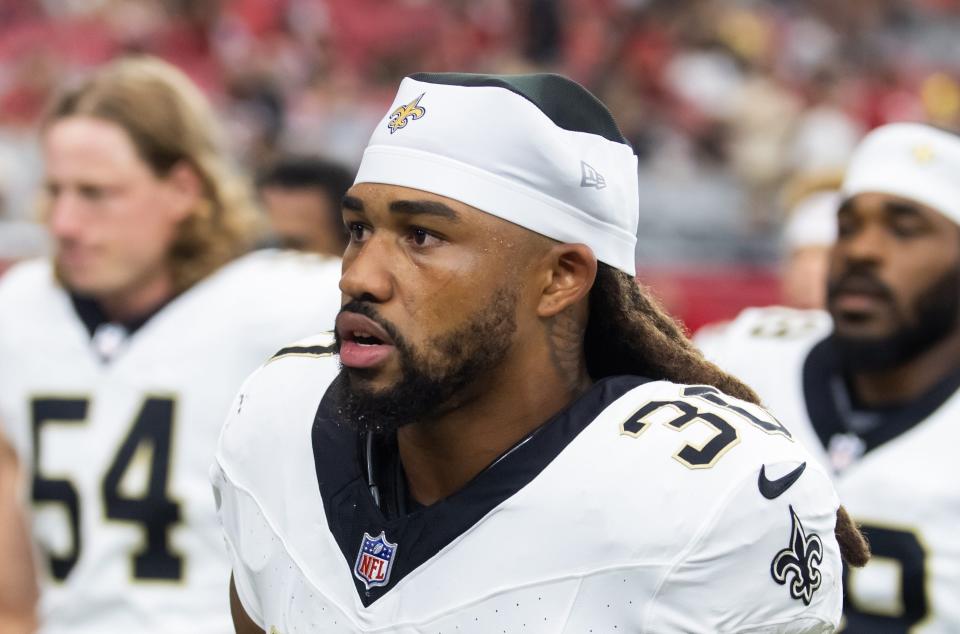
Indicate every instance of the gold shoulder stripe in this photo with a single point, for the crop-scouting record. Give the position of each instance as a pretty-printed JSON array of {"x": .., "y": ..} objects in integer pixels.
[{"x": 304, "y": 351}]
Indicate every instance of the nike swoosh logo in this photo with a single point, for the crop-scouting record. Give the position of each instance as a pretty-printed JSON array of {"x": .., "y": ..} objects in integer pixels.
[{"x": 771, "y": 489}]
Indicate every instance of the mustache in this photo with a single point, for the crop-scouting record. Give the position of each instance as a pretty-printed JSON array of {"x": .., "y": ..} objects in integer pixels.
[
  {"x": 367, "y": 310},
  {"x": 860, "y": 281}
]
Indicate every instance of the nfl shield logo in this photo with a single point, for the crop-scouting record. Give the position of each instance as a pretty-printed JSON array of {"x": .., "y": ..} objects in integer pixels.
[{"x": 374, "y": 560}]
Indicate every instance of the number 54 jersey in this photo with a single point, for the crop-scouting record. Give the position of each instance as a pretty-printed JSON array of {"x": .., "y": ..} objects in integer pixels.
[
  {"x": 643, "y": 507},
  {"x": 116, "y": 452},
  {"x": 895, "y": 468}
]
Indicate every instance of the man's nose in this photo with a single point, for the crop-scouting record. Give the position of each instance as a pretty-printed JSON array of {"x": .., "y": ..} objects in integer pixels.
[
  {"x": 368, "y": 271},
  {"x": 65, "y": 216}
]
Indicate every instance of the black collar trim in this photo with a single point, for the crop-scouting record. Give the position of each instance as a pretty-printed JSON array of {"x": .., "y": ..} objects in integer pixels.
[
  {"x": 91, "y": 314},
  {"x": 425, "y": 531},
  {"x": 823, "y": 377}
]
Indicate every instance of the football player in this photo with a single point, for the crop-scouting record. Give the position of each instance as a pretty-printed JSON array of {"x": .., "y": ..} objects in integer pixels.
[
  {"x": 871, "y": 385},
  {"x": 118, "y": 358},
  {"x": 519, "y": 439},
  {"x": 301, "y": 196}
]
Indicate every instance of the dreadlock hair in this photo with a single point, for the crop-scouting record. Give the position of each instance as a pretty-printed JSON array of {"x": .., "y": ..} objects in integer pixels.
[{"x": 628, "y": 332}]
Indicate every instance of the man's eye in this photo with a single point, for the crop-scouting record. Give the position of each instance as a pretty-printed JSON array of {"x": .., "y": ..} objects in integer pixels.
[
  {"x": 92, "y": 193},
  {"x": 908, "y": 229},
  {"x": 420, "y": 237},
  {"x": 357, "y": 231},
  {"x": 846, "y": 227}
]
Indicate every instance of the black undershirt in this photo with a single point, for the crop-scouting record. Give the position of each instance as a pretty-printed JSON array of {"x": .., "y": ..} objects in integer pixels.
[{"x": 94, "y": 318}]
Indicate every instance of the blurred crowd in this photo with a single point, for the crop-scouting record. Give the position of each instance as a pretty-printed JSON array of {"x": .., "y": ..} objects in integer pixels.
[{"x": 724, "y": 101}]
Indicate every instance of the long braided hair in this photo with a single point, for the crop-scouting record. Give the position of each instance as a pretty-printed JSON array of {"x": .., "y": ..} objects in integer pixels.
[{"x": 628, "y": 332}]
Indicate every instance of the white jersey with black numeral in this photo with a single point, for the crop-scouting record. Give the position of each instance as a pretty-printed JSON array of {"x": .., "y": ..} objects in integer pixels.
[
  {"x": 117, "y": 433},
  {"x": 645, "y": 506},
  {"x": 897, "y": 475}
]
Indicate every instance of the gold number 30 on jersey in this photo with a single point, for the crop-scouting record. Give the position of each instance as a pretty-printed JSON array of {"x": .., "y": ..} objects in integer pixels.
[{"x": 726, "y": 436}]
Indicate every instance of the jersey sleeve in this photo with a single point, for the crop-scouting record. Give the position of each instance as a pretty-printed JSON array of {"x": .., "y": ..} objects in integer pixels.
[
  {"x": 760, "y": 565},
  {"x": 233, "y": 509},
  {"x": 248, "y": 470},
  {"x": 230, "y": 507}
]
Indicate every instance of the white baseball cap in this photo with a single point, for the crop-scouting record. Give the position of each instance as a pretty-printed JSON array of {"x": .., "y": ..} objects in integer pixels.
[{"x": 911, "y": 160}]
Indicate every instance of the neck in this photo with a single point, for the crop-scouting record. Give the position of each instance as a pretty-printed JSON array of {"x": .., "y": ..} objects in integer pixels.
[
  {"x": 140, "y": 298},
  {"x": 440, "y": 456},
  {"x": 910, "y": 380}
]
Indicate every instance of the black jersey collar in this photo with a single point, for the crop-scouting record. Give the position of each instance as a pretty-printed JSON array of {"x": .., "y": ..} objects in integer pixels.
[
  {"x": 823, "y": 378},
  {"x": 423, "y": 531}
]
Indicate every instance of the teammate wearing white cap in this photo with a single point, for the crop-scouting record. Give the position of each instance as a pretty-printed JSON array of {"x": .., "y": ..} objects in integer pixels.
[
  {"x": 518, "y": 439},
  {"x": 873, "y": 383}
]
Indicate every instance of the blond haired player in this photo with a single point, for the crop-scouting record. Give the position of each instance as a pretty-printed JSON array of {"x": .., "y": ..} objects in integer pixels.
[{"x": 118, "y": 358}]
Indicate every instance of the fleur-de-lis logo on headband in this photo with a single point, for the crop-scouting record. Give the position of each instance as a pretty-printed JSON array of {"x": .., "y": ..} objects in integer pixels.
[
  {"x": 403, "y": 115},
  {"x": 923, "y": 154}
]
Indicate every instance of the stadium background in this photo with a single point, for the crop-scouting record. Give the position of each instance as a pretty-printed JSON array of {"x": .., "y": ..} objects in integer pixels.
[{"x": 724, "y": 101}]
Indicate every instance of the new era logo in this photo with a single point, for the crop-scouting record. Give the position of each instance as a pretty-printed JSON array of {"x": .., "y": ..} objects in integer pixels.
[{"x": 589, "y": 177}]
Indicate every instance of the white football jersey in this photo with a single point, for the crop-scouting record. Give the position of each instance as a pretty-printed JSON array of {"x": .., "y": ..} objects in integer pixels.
[
  {"x": 118, "y": 433},
  {"x": 896, "y": 472},
  {"x": 643, "y": 507}
]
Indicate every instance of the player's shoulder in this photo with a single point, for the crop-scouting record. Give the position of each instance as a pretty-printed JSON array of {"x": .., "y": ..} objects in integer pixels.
[
  {"x": 263, "y": 279},
  {"x": 705, "y": 443},
  {"x": 724, "y": 421},
  {"x": 271, "y": 297},
  {"x": 295, "y": 368},
  {"x": 319, "y": 346},
  {"x": 772, "y": 324},
  {"x": 771, "y": 330},
  {"x": 739, "y": 489},
  {"x": 30, "y": 280},
  {"x": 278, "y": 398},
  {"x": 268, "y": 267},
  {"x": 32, "y": 304}
]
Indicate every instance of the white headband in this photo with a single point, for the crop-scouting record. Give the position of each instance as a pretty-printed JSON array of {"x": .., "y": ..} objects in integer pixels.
[
  {"x": 910, "y": 160},
  {"x": 494, "y": 149}
]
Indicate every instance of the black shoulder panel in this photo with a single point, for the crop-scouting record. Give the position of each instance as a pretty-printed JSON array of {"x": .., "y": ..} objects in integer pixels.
[{"x": 568, "y": 104}]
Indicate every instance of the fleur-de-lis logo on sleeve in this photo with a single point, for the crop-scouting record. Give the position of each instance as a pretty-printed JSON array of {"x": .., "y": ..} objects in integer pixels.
[
  {"x": 403, "y": 115},
  {"x": 802, "y": 558}
]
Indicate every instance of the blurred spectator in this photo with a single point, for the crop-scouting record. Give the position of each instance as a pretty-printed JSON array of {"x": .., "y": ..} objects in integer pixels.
[
  {"x": 722, "y": 99},
  {"x": 302, "y": 196}
]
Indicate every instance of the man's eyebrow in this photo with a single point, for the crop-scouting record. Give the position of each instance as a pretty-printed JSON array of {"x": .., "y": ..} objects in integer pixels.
[
  {"x": 428, "y": 207},
  {"x": 352, "y": 203},
  {"x": 901, "y": 208}
]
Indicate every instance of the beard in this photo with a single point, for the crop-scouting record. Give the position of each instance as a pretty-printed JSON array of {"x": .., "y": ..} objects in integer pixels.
[
  {"x": 433, "y": 380},
  {"x": 935, "y": 311}
]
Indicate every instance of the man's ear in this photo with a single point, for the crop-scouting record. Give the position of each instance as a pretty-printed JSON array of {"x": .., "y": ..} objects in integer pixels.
[
  {"x": 569, "y": 273},
  {"x": 185, "y": 190}
]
